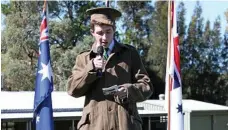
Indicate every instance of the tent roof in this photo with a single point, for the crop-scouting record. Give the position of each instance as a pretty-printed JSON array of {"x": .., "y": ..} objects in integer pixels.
[{"x": 19, "y": 105}]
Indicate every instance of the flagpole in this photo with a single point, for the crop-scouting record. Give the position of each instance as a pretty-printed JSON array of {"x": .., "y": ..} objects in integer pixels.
[
  {"x": 168, "y": 78},
  {"x": 46, "y": 5},
  {"x": 107, "y": 3}
]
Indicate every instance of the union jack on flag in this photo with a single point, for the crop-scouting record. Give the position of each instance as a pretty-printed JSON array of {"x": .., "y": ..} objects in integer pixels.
[
  {"x": 43, "y": 112},
  {"x": 173, "y": 77}
]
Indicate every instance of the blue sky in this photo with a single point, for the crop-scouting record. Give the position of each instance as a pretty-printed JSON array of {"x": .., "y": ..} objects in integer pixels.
[{"x": 211, "y": 9}]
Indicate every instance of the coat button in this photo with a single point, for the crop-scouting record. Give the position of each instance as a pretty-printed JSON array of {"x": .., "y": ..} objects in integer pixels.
[{"x": 109, "y": 109}]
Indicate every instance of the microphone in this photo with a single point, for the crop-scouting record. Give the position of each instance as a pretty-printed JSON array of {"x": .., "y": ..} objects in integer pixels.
[{"x": 100, "y": 51}]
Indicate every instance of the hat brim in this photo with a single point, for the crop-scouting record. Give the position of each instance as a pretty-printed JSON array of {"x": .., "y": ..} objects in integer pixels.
[{"x": 104, "y": 10}]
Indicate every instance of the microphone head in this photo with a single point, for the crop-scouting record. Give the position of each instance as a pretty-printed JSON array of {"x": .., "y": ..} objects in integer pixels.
[{"x": 100, "y": 50}]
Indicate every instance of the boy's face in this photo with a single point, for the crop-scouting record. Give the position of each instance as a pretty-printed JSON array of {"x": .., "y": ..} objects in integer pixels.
[{"x": 103, "y": 35}]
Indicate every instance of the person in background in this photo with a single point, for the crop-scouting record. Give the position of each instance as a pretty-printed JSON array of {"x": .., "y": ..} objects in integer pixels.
[{"x": 113, "y": 65}]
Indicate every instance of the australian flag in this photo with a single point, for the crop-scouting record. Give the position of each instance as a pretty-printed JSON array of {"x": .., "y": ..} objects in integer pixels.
[
  {"x": 173, "y": 76},
  {"x": 43, "y": 113}
]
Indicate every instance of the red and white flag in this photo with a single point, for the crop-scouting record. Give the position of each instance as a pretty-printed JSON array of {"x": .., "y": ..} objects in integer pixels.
[{"x": 173, "y": 93}]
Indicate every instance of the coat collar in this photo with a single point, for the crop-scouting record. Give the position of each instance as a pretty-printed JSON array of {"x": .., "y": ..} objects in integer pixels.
[{"x": 117, "y": 47}]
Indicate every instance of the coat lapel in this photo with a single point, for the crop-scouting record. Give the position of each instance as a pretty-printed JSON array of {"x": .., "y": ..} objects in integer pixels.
[{"x": 118, "y": 47}]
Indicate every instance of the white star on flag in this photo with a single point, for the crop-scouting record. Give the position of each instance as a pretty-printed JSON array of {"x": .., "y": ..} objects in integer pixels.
[
  {"x": 46, "y": 71},
  {"x": 37, "y": 119}
]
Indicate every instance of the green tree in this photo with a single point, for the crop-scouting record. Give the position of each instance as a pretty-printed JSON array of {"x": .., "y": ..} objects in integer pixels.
[
  {"x": 181, "y": 27},
  {"x": 156, "y": 56},
  {"x": 209, "y": 70},
  {"x": 203, "y": 78},
  {"x": 19, "y": 44},
  {"x": 222, "y": 80},
  {"x": 67, "y": 26},
  {"x": 135, "y": 16},
  {"x": 191, "y": 54},
  {"x": 63, "y": 61},
  {"x": 69, "y": 35},
  {"x": 71, "y": 25}
]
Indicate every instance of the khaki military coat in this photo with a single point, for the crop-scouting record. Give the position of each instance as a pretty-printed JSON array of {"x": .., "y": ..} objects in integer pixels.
[{"x": 100, "y": 112}]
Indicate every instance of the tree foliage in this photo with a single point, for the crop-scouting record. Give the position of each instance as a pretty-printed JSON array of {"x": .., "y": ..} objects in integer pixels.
[
  {"x": 203, "y": 77},
  {"x": 156, "y": 56},
  {"x": 63, "y": 61},
  {"x": 137, "y": 13},
  {"x": 19, "y": 44}
]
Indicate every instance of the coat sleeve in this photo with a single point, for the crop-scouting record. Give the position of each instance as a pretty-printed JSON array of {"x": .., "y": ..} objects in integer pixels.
[
  {"x": 141, "y": 87},
  {"x": 82, "y": 76}
]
